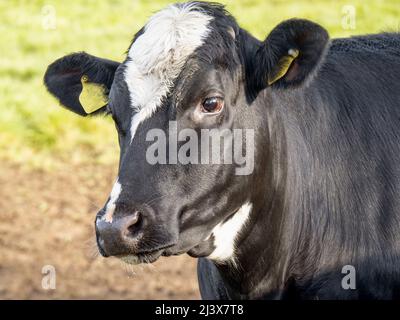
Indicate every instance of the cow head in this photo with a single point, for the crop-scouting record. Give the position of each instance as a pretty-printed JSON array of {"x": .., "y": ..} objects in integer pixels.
[{"x": 190, "y": 73}]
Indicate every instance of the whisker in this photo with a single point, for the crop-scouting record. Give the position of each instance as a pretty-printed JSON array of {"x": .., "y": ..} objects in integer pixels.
[{"x": 90, "y": 246}]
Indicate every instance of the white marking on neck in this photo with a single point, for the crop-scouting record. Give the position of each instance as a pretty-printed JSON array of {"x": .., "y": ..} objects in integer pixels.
[
  {"x": 157, "y": 56},
  {"x": 225, "y": 234},
  {"x": 110, "y": 207}
]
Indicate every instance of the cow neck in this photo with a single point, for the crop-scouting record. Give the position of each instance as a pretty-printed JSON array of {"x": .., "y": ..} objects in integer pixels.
[{"x": 259, "y": 268}]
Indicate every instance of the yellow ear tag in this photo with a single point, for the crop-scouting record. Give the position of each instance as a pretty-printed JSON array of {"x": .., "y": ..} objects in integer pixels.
[
  {"x": 93, "y": 95},
  {"x": 283, "y": 66}
]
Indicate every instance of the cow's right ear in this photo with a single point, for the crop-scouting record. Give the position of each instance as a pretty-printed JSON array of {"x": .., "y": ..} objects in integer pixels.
[{"x": 81, "y": 82}]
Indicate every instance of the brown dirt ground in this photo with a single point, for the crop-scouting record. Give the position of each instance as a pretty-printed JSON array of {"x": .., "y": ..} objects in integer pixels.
[{"x": 46, "y": 218}]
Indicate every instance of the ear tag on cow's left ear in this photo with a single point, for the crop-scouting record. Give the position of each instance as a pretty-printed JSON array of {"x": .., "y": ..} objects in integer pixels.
[
  {"x": 93, "y": 95},
  {"x": 283, "y": 66}
]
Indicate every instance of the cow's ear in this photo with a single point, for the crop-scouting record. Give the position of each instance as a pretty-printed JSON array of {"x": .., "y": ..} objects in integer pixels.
[
  {"x": 81, "y": 82},
  {"x": 290, "y": 53}
]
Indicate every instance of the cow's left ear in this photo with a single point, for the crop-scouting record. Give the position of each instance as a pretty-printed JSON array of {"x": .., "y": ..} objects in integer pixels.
[{"x": 290, "y": 53}]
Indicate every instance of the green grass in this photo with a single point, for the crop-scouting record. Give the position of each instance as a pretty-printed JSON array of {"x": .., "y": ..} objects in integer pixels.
[{"x": 35, "y": 131}]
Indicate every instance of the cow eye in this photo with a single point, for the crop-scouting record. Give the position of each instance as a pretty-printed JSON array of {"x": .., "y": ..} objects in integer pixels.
[{"x": 212, "y": 105}]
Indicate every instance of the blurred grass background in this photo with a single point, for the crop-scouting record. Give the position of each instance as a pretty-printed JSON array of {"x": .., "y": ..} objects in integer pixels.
[{"x": 35, "y": 132}]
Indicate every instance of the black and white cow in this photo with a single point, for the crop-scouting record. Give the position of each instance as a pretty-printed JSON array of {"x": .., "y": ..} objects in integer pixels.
[{"x": 323, "y": 195}]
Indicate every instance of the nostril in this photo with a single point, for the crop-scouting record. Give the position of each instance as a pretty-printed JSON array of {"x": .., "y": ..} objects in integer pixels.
[
  {"x": 135, "y": 217},
  {"x": 134, "y": 225}
]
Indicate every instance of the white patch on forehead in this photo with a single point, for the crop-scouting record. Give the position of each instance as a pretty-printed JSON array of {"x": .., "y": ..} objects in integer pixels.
[
  {"x": 225, "y": 234},
  {"x": 110, "y": 207},
  {"x": 138, "y": 118},
  {"x": 157, "y": 56}
]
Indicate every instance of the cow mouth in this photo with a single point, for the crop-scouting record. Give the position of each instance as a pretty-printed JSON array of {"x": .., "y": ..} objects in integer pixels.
[
  {"x": 144, "y": 257},
  {"x": 141, "y": 258}
]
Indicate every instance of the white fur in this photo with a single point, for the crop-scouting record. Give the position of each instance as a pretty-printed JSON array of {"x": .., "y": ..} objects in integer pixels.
[
  {"x": 157, "y": 56},
  {"x": 225, "y": 234},
  {"x": 110, "y": 207},
  {"x": 138, "y": 118}
]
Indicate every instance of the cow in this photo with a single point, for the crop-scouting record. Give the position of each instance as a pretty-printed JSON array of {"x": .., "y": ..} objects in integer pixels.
[{"x": 318, "y": 214}]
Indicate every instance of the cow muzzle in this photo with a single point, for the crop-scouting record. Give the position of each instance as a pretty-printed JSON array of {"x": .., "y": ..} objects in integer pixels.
[
  {"x": 119, "y": 236},
  {"x": 130, "y": 238}
]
